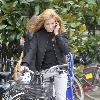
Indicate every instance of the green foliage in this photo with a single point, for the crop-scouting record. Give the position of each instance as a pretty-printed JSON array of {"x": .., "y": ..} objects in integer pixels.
[
  {"x": 15, "y": 14},
  {"x": 12, "y": 21},
  {"x": 78, "y": 15},
  {"x": 78, "y": 71}
]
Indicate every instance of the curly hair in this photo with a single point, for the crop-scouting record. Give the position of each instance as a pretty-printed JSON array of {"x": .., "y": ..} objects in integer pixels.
[{"x": 35, "y": 25}]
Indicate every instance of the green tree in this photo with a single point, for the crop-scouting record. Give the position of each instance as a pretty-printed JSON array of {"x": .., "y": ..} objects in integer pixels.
[{"x": 81, "y": 18}]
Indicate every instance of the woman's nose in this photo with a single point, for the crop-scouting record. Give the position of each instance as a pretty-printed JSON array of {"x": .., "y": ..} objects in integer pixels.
[{"x": 50, "y": 26}]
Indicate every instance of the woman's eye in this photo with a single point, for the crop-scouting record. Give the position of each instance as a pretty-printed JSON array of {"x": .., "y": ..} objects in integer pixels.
[
  {"x": 52, "y": 23},
  {"x": 47, "y": 24}
]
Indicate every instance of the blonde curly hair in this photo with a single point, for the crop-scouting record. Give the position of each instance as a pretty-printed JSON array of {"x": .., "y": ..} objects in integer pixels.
[{"x": 38, "y": 22}]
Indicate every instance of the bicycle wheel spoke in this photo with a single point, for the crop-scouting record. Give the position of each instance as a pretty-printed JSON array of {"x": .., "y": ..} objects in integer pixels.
[{"x": 77, "y": 90}]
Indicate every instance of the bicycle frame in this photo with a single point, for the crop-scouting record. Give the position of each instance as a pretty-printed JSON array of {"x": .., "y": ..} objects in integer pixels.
[{"x": 69, "y": 93}]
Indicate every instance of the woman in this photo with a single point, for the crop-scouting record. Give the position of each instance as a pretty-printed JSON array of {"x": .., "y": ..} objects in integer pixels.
[{"x": 49, "y": 44}]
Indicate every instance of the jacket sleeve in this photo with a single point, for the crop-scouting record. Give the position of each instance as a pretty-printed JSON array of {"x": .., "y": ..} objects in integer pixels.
[
  {"x": 61, "y": 41},
  {"x": 28, "y": 39},
  {"x": 31, "y": 54}
]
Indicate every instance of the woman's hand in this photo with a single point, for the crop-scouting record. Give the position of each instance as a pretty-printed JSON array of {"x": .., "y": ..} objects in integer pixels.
[{"x": 56, "y": 30}]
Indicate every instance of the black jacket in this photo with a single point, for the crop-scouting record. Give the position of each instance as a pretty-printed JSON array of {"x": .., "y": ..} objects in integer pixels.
[
  {"x": 28, "y": 39},
  {"x": 38, "y": 47}
]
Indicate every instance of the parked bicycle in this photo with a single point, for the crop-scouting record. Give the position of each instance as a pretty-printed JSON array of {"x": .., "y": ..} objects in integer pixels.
[{"x": 90, "y": 79}]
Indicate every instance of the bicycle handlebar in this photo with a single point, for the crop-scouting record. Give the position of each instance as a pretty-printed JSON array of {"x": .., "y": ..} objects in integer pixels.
[
  {"x": 53, "y": 68},
  {"x": 63, "y": 65},
  {"x": 57, "y": 67}
]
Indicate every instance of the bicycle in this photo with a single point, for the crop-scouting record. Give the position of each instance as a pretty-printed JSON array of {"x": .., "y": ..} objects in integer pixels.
[{"x": 90, "y": 79}]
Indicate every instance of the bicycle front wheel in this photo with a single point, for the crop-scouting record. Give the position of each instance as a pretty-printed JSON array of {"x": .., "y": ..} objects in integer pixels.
[{"x": 77, "y": 89}]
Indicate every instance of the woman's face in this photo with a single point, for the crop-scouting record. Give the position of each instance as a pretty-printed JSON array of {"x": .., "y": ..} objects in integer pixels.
[{"x": 50, "y": 24}]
